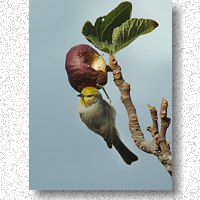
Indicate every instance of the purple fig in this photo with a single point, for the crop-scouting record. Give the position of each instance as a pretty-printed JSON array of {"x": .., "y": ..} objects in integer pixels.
[{"x": 85, "y": 67}]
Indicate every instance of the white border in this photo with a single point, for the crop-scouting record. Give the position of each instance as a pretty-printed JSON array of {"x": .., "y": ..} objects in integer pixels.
[{"x": 14, "y": 103}]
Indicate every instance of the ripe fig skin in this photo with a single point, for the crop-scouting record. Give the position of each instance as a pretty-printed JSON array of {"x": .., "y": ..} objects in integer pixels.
[{"x": 85, "y": 67}]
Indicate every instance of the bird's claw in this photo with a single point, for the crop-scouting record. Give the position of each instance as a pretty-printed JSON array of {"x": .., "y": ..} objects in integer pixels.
[{"x": 103, "y": 88}]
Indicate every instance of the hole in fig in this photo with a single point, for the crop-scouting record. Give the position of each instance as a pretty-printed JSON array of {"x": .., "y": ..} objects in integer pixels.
[{"x": 94, "y": 61}]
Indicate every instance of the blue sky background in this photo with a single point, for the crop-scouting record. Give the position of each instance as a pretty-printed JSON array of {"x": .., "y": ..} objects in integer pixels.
[{"x": 64, "y": 154}]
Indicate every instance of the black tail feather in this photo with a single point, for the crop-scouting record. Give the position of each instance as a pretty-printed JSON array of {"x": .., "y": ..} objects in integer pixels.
[{"x": 125, "y": 153}]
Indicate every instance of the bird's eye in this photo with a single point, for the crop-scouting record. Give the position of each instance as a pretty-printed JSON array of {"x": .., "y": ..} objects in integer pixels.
[{"x": 90, "y": 95}]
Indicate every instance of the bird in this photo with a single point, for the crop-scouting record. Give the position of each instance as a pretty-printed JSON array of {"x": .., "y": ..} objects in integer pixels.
[{"x": 100, "y": 116}]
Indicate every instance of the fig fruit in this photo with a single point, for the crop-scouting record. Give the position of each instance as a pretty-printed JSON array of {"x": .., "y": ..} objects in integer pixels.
[{"x": 85, "y": 67}]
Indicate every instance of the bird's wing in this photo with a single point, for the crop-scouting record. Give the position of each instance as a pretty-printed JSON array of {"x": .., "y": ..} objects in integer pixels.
[{"x": 107, "y": 129}]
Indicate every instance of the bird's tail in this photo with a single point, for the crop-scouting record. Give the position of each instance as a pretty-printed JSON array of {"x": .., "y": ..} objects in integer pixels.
[{"x": 124, "y": 152}]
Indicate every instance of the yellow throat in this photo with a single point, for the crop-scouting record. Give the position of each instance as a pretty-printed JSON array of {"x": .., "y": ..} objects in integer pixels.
[{"x": 89, "y": 96}]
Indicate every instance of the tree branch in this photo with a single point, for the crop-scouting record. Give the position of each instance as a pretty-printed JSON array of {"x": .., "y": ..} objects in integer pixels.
[
  {"x": 154, "y": 128},
  {"x": 158, "y": 146}
]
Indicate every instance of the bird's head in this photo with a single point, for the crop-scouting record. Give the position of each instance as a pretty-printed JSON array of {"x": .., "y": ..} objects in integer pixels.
[{"x": 89, "y": 96}]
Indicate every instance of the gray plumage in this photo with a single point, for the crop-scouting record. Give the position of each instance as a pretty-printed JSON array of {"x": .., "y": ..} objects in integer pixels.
[{"x": 100, "y": 117}]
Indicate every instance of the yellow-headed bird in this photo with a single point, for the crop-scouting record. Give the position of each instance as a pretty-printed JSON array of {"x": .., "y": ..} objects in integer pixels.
[{"x": 99, "y": 116}]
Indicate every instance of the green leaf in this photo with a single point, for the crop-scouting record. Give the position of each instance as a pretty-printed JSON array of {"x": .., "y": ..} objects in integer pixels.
[
  {"x": 105, "y": 25},
  {"x": 101, "y": 33},
  {"x": 123, "y": 35},
  {"x": 90, "y": 34},
  {"x": 116, "y": 30}
]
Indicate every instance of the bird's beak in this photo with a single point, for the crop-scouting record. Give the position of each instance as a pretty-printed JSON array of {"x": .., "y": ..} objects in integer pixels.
[{"x": 80, "y": 95}]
